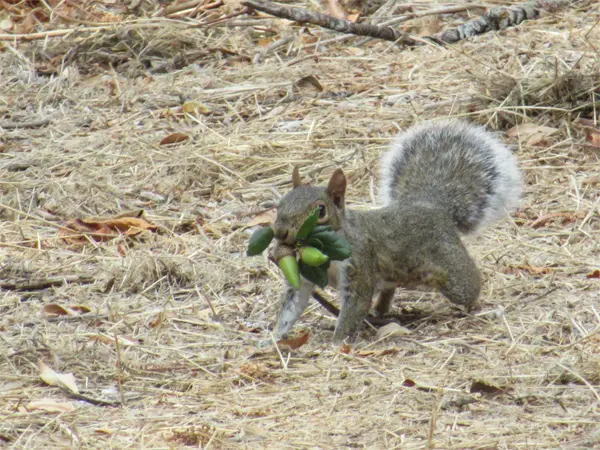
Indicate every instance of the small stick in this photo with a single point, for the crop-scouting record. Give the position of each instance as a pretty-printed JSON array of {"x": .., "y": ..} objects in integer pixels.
[
  {"x": 119, "y": 367},
  {"x": 332, "y": 23},
  {"x": 30, "y": 124},
  {"x": 36, "y": 285}
]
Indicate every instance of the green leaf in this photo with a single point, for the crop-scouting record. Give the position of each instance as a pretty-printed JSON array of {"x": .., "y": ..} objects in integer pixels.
[
  {"x": 320, "y": 229},
  {"x": 317, "y": 275},
  {"x": 313, "y": 242},
  {"x": 334, "y": 245},
  {"x": 308, "y": 224},
  {"x": 259, "y": 241}
]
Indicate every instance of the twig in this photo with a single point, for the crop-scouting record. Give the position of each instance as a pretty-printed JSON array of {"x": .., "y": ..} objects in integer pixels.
[
  {"x": 156, "y": 23},
  {"x": 119, "y": 367},
  {"x": 271, "y": 47},
  {"x": 30, "y": 124},
  {"x": 36, "y": 285},
  {"x": 92, "y": 400},
  {"x": 332, "y": 23}
]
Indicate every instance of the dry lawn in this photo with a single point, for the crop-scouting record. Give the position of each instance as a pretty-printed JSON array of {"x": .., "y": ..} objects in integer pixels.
[{"x": 157, "y": 369}]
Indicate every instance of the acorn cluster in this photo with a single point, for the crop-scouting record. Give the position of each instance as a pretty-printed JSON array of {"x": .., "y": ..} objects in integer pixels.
[{"x": 316, "y": 246}]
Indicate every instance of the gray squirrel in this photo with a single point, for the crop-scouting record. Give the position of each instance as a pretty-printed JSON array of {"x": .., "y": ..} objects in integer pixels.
[{"x": 439, "y": 180}]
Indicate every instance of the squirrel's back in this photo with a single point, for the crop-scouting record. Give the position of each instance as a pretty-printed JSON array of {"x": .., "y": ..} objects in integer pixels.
[{"x": 454, "y": 165}]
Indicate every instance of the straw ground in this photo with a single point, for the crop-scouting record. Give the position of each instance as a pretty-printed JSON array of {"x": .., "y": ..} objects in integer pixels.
[{"x": 177, "y": 315}]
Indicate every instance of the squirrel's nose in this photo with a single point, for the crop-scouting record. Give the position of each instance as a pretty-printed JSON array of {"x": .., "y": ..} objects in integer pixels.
[{"x": 284, "y": 235}]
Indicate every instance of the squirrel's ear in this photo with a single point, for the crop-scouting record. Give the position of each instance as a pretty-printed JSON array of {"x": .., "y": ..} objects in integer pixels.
[
  {"x": 296, "y": 181},
  {"x": 336, "y": 188}
]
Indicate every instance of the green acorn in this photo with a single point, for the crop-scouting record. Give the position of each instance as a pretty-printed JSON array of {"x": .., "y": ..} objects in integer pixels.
[
  {"x": 289, "y": 267},
  {"x": 259, "y": 241},
  {"x": 312, "y": 256}
]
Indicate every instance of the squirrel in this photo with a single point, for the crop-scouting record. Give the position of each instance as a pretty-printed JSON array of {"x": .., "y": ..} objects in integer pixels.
[{"x": 440, "y": 180}]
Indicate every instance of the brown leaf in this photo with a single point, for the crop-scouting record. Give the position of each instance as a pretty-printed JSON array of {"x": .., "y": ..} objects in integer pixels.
[
  {"x": 52, "y": 378},
  {"x": 594, "y": 138},
  {"x": 486, "y": 388},
  {"x": 54, "y": 310},
  {"x": 174, "y": 138},
  {"x": 532, "y": 270},
  {"x": 420, "y": 384},
  {"x": 308, "y": 81},
  {"x": 263, "y": 218},
  {"x": 295, "y": 343},
  {"x": 50, "y": 405},
  {"x": 531, "y": 133},
  {"x": 567, "y": 217},
  {"x": 383, "y": 352},
  {"x": 594, "y": 274},
  {"x": 76, "y": 230},
  {"x": 346, "y": 349},
  {"x": 254, "y": 370}
]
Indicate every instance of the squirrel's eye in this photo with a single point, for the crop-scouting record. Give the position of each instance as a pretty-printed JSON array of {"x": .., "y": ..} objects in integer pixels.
[{"x": 322, "y": 211}]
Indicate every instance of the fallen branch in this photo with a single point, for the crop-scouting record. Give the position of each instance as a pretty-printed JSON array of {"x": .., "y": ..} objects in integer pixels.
[
  {"x": 332, "y": 23},
  {"x": 495, "y": 19}
]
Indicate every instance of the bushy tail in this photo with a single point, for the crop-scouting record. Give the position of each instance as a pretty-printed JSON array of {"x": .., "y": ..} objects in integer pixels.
[{"x": 453, "y": 165}]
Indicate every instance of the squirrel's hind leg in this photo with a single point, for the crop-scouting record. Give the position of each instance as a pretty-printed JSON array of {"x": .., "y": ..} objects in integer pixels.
[
  {"x": 384, "y": 300},
  {"x": 462, "y": 283}
]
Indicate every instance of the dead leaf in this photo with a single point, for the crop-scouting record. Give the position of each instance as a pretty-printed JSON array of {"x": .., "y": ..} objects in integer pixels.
[
  {"x": 80, "y": 309},
  {"x": 532, "y": 270},
  {"x": 594, "y": 138},
  {"x": 567, "y": 217},
  {"x": 420, "y": 384},
  {"x": 6, "y": 24},
  {"x": 383, "y": 352},
  {"x": 263, "y": 218},
  {"x": 52, "y": 378},
  {"x": 594, "y": 274},
  {"x": 531, "y": 133},
  {"x": 408, "y": 382},
  {"x": 335, "y": 9},
  {"x": 174, "y": 138},
  {"x": 195, "y": 109},
  {"x": 346, "y": 349},
  {"x": 50, "y": 405},
  {"x": 54, "y": 310},
  {"x": 254, "y": 370},
  {"x": 485, "y": 388},
  {"x": 309, "y": 81},
  {"x": 76, "y": 231},
  {"x": 295, "y": 343},
  {"x": 392, "y": 329}
]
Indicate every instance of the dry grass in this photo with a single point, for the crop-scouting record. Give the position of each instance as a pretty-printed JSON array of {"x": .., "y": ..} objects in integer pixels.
[{"x": 523, "y": 374}]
